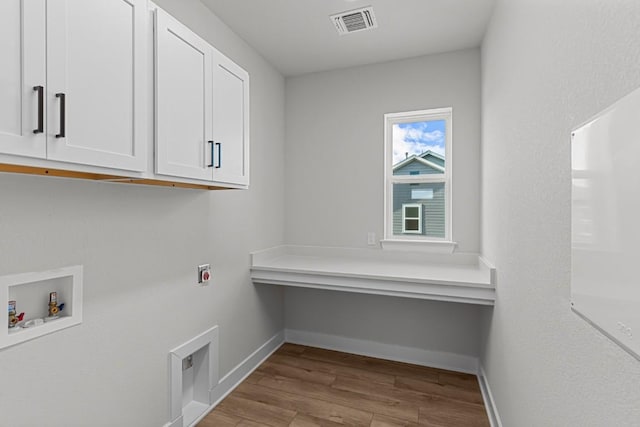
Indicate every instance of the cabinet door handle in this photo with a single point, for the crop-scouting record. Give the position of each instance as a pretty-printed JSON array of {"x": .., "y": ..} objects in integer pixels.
[
  {"x": 40, "y": 90},
  {"x": 211, "y": 164},
  {"x": 63, "y": 109},
  {"x": 219, "y": 145}
]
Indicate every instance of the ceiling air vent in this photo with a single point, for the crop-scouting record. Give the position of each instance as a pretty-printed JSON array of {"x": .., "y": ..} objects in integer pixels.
[{"x": 354, "y": 20}]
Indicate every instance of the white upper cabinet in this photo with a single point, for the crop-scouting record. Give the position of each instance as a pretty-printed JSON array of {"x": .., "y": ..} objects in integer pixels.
[
  {"x": 202, "y": 108},
  {"x": 96, "y": 78},
  {"x": 22, "y": 77},
  {"x": 230, "y": 121},
  {"x": 183, "y": 101},
  {"x": 86, "y": 83},
  {"x": 72, "y": 81}
]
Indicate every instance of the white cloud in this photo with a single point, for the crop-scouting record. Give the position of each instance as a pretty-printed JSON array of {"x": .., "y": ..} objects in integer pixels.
[{"x": 410, "y": 141}]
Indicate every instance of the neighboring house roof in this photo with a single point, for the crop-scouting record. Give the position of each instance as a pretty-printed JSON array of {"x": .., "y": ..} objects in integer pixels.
[
  {"x": 424, "y": 159},
  {"x": 432, "y": 157},
  {"x": 432, "y": 154}
]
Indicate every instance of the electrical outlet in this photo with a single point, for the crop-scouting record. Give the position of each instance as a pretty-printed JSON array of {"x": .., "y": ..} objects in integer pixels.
[
  {"x": 204, "y": 273},
  {"x": 371, "y": 238}
]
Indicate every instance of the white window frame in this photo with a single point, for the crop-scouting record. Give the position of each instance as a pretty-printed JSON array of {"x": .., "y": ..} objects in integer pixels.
[
  {"x": 404, "y": 218},
  {"x": 409, "y": 241}
]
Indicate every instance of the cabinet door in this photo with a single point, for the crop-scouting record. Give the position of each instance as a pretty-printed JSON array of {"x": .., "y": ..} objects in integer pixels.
[
  {"x": 22, "y": 49},
  {"x": 230, "y": 121},
  {"x": 96, "y": 77},
  {"x": 183, "y": 101}
]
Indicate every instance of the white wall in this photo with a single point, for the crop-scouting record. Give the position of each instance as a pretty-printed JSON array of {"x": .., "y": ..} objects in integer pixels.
[
  {"x": 547, "y": 67},
  {"x": 334, "y": 193},
  {"x": 417, "y": 324},
  {"x": 334, "y": 145},
  {"x": 140, "y": 247}
]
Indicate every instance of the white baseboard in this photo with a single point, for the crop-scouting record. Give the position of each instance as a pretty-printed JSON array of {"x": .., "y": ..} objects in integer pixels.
[
  {"x": 245, "y": 368},
  {"x": 238, "y": 374},
  {"x": 416, "y": 356},
  {"x": 175, "y": 423},
  {"x": 489, "y": 403}
]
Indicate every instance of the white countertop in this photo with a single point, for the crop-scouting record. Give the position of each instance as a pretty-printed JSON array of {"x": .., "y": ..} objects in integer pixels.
[{"x": 463, "y": 278}]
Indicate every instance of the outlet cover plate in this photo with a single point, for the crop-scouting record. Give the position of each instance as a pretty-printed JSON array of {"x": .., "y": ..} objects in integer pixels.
[{"x": 204, "y": 273}]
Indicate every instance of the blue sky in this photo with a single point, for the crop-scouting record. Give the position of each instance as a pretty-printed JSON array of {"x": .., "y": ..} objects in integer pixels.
[{"x": 418, "y": 137}]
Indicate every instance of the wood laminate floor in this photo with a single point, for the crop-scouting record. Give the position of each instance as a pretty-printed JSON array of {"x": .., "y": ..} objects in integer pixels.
[{"x": 302, "y": 386}]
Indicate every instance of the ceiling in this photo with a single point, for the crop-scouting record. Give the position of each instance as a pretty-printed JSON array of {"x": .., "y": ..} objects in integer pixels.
[{"x": 297, "y": 37}]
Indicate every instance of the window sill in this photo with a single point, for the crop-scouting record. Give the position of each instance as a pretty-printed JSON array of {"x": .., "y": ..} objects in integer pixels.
[
  {"x": 432, "y": 246},
  {"x": 464, "y": 278}
]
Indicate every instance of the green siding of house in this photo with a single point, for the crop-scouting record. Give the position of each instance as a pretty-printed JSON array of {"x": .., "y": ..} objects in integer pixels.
[
  {"x": 433, "y": 210},
  {"x": 416, "y": 166}
]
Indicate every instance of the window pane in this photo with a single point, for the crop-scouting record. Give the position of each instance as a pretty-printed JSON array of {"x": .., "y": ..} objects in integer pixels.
[
  {"x": 412, "y": 212},
  {"x": 419, "y": 147},
  {"x": 433, "y": 209},
  {"x": 412, "y": 225}
]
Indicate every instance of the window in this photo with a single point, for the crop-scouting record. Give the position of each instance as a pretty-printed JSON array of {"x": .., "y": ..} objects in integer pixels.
[
  {"x": 412, "y": 218},
  {"x": 422, "y": 193},
  {"x": 418, "y": 175}
]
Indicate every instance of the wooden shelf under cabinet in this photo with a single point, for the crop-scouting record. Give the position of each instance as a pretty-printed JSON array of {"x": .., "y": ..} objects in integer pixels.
[{"x": 33, "y": 170}]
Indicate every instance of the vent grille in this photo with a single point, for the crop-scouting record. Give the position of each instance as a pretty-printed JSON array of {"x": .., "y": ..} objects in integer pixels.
[{"x": 354, "y": 20}]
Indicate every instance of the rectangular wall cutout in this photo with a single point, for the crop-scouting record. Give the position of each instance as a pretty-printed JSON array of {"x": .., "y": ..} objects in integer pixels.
[
  {"x": 194, "y": 373},
  {"x": 31, "y": 293}
]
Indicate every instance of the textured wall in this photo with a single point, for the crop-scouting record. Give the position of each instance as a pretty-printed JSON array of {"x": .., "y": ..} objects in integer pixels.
[
  {"x": 547, "y": 67},
  {"x": 334, "y": 193},
  {"x": 140, "y": 247}
]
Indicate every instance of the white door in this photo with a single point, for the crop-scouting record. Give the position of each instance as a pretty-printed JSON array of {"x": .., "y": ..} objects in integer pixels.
[
  {"x": 22, "y": 77},
  {"x": 183, "y": 101},
  {"x": 230, "y": 121},
  {"x": 96, "y": 82}
]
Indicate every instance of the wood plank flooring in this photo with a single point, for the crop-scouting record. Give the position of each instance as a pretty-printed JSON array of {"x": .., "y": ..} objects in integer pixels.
[{"x": 302, "y": 386}]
